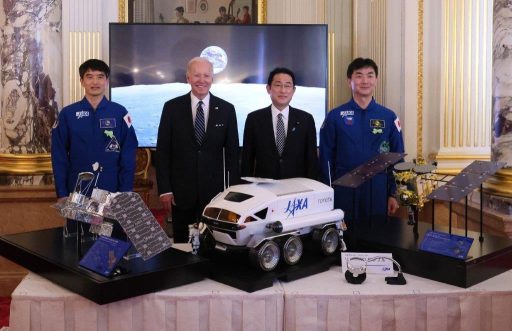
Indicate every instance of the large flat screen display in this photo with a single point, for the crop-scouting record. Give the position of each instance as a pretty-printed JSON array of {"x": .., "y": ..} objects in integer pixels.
[{"x": 148, "y": 65}]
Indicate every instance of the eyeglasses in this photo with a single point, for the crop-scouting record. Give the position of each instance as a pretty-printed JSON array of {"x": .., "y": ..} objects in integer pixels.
[{"x": 282, "y": 86}]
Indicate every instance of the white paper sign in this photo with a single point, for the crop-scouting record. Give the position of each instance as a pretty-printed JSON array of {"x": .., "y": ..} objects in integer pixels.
[{"x": 381, "y": 266}]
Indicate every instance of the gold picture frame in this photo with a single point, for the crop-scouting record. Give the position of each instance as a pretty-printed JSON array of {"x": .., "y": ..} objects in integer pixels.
[{"x": 258, "y": 11}]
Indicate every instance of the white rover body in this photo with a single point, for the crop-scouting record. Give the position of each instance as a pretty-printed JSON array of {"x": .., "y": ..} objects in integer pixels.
[{"x": 267, "y": 216}]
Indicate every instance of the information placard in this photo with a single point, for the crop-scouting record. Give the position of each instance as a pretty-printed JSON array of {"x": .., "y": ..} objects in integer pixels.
[
  {"x": 104, "y": 255},
  {"x": 446, "y": 244}
]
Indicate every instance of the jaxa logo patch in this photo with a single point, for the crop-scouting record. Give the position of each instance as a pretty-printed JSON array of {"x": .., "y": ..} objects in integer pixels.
[
  {"x": 107, "y": 123},
  {"x": 82, "y": 113}
]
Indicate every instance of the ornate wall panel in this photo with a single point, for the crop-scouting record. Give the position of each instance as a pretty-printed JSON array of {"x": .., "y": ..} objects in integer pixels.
[{"x": 465, "y": 108}]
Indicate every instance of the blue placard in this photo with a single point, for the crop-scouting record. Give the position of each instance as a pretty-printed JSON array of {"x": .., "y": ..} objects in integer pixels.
[
  {"x": 446, "y": 244},
  {"x": 104, "y": 255}
]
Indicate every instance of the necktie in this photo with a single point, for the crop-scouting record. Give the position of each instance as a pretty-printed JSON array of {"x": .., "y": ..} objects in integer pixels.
[
  {"x": 199, "y": 127},
  {"x": 280, "y": 134}
]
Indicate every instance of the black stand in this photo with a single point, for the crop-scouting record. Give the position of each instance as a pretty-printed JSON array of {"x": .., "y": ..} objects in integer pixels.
[{"x": 48, "y": 254}]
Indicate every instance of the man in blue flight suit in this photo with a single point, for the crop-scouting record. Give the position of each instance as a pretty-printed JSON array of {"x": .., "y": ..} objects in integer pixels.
[
  {"x": 93, "y": 135},
  {"x": 354, "y": 133}
]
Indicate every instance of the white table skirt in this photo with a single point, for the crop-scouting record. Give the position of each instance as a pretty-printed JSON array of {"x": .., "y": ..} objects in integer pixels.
[
  {"x": 38, "y": 304},
  {"x": 321, "y": 302},
  {"x": 327, "y": 302}
]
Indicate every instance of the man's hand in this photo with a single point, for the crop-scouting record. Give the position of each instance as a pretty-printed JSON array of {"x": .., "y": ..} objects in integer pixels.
[
  {"x": 392, "y": 205},
  {"x": 167, "y": 201},
  {"x": 61, "y": 200}
]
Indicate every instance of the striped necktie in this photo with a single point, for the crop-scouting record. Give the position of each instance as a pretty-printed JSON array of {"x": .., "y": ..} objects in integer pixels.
[
  {"x": 199, "y": 127},
  {"x": 280, "y": 134}
]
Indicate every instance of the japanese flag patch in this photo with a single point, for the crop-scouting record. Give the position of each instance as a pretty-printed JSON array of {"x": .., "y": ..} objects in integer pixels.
[
  {"x": 128, "y": 119},
  {"x": 397, "y": 124}
]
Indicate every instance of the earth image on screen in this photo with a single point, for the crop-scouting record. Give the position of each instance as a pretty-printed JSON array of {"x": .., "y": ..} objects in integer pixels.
[{"x": 217, "y": 56}]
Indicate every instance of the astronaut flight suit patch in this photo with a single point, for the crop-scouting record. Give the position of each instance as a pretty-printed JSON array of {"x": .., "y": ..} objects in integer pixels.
[
  {"x": 107, "y": 123},
  {"x": 397, "y": 124},
  {"x": 377, "y": 126},
  {"x": 349, "y": 120},
  {"x": 384, "y": 147},
  {"x": 113, "y": 144},
  {"x": 128, "y": 120},
  {"x": 81, "y": 114}
]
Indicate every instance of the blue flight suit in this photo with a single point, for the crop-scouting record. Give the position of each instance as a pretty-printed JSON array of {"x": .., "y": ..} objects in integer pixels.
[
  {"x": 83, "y": 136},
  {"x": 351, "y": 136}
]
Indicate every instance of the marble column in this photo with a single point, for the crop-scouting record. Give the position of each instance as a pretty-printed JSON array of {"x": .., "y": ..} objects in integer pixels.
[
  {"x": 30, "y": 87},
  {"x": 499, "y": 186},
  {"x": 502, "y": 83},
  {"x": 31, "y": 77}
]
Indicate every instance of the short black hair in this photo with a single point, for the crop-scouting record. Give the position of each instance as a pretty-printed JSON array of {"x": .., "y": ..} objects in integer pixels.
[
  {"x": 93, "y": 64},
  {"x": 361, "y": 63},
  {"x": 222, "y": 8},
  {"x": 280, "y": 70},
  {"x": 180, "y": 9}
]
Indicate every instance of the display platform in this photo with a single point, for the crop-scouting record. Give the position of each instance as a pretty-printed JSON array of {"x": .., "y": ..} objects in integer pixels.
[
  {"x": 49, "y": 254},
  {"x": 485, "y": 259},
  {"x": 235, "y": 269}
]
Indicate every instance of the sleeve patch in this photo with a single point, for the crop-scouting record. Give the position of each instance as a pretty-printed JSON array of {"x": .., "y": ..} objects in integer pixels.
[
  {"x": 397, "y": 124},
  {"x": 128, "y": 120}
]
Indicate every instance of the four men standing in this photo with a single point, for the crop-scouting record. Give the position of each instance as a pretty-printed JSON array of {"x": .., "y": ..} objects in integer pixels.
[{"x": 197, "y": 146}]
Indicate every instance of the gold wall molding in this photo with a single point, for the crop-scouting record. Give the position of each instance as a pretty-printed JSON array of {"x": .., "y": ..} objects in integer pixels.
[
  {"x": 25, "y": 164},
  {"x": 123, "y": 11},
  {"x": 262, "y": 11},
  {"x": 500, "y": 183},
  {"x": 331, "y": 69}
]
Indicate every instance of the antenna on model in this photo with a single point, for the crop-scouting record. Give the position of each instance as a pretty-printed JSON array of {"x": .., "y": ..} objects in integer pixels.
[
  {"x": 224, "y": 165},
  {"x": 329, "y": 172}
]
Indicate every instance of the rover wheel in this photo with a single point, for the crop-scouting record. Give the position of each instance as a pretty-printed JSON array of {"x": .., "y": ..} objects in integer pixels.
[
  {"x": 292, "y": 250},
  {"x": 267, "y": 256},
  {"x": 329, "y": 241}
]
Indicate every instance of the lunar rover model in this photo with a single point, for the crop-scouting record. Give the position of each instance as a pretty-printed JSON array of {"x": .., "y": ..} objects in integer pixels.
[{"x": 270, "y": 218}]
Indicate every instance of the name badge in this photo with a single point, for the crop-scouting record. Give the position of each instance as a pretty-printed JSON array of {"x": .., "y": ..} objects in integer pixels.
[
  {"x": 378, "y": 124},
  {"x": 107, "y": 123}
]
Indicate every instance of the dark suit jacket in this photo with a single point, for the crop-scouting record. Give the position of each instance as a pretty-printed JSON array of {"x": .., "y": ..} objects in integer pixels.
[
  {"x": 194, "y": 173},
  {"x": 260, "y": 157}
]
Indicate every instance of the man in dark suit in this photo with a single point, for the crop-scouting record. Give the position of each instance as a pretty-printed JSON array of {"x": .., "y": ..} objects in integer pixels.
[
  {"x": 196, "y": 137},
  {"x": 279, "y": 140}
]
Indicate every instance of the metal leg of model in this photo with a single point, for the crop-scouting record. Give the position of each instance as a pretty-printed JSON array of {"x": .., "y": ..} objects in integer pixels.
[
  {"x": 481, "y": 238},
  {"x": 413, "y": 212}
]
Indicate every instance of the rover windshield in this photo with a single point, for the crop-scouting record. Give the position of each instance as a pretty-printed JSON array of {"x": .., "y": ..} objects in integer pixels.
[{"x": 221, "y": 215}]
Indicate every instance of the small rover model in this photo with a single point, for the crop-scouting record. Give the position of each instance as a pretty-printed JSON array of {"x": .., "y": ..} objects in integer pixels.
[{"x": 267, "y": 217}]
